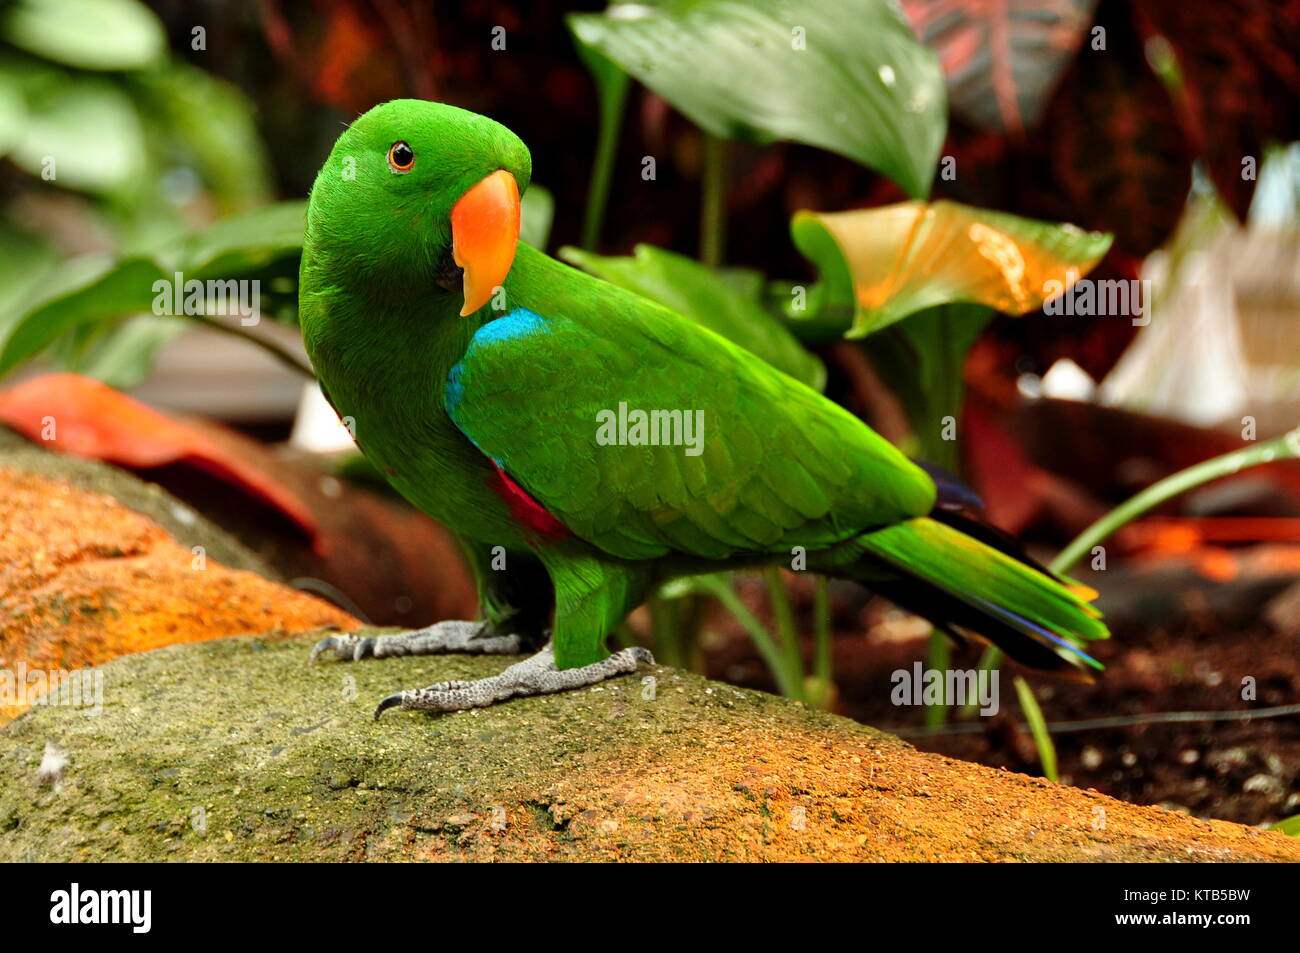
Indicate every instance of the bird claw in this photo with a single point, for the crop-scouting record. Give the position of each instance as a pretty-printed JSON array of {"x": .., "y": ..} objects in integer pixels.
[
  {"x": 392, "y": 701},
  {"x": 345, "y": 647}
]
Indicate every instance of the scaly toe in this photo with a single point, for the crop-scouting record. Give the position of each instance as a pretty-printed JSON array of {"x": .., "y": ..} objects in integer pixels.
[{"x": 392, "y": 701}]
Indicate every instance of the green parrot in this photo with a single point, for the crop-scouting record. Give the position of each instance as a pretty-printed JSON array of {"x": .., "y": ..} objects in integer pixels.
[{"x": 586, "y": 444}]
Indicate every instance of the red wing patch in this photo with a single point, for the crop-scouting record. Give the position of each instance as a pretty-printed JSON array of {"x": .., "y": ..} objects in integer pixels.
[{"x": 527, "y": 512}]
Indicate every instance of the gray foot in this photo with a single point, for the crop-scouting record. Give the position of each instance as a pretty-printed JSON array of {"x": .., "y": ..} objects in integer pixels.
[
  {"x": 472, "y": 637},
  {"x": 536, "y": 675}
]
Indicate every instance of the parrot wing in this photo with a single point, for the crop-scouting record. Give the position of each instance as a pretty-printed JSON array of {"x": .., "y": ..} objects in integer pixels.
[{"x": 749, "y": 460}]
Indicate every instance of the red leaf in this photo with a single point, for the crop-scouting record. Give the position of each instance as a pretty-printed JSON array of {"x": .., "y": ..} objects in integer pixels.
[
  {"x": 1002, "y": 58},
  {"x": 72, "y": 414}
]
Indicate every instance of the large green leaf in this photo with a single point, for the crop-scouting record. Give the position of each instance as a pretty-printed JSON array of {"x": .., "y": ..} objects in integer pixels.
[
  {"x": 26, "y": 259},
  {"x": 900, "y": 259},
  {"x": 726, "y": 303},
  {"x": 844, "y": 75},
  {"x": 243, "y": 244},
  {"x": 86, "y": 34}
]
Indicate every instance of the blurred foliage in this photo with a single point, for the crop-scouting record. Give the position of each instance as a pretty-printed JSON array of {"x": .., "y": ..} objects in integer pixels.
[
  {"x": 85, "y": 295},
  {"x": 125, "y": 152}
]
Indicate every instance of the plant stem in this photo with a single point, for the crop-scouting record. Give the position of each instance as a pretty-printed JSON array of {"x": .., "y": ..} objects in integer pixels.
[
  {"x": 938, "y": 658},
  {"x": 280, "y": 353},
  {"x": 613, "y": 97},
  {"x": 665, "y": 622},
  {"x": 1037, "y": 727},
  {"x": 713, "y": 209},
  {"x": 1286, "y": 447},
  {"x": 783, "y": 617},
  {"x": 822, "y": 640},
  {"x": 789, "y": 682},
  {"x": 990, "y": 660}
]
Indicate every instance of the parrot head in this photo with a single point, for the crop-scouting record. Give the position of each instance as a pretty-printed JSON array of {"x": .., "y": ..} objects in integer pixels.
[{"x": 415, "y": 191}]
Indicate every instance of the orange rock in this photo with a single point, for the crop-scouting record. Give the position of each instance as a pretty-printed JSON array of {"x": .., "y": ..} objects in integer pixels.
[{"x": 84, "y": 580}]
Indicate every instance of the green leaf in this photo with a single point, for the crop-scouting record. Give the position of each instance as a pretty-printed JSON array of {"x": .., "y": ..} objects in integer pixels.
[
  {"x": 844, "y": 75},
  {"x": 1037, "y": 727},
  {"x": 709, "y": 298},
  {"x": 242, "y": 244},
  {"x": 86, "y": 290},
  {"x": 208, "y": 124},
  {"x": 26, "y": 259},
  {"x": 811, "y": 311},
  {"x": 82, "y": 133},
  {"x": 86, "y": 34},
  {"x": 122, "y": 354},
  {"x": 921, "y": 361},
  {"x": 95, "y": 290},
  {"x": 899, "y": 259}
]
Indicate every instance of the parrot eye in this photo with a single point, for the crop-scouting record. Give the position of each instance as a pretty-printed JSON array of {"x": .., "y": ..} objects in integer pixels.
[{"x": 400, "y": 157}]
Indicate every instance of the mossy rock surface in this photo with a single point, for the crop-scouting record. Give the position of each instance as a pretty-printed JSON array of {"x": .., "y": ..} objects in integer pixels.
[{"x": 238, "y": 750}]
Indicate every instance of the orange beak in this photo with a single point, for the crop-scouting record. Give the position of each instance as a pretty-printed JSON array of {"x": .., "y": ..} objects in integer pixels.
[{"x": 484, "y": 236}]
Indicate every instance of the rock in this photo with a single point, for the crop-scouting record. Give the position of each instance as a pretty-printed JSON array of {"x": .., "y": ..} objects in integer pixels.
[
  {"x": 178, "y": 519},
  {"x": 384, "y": 560},
  {"x": 236, "y": 749},
  {"x": 86, "y": 577}
]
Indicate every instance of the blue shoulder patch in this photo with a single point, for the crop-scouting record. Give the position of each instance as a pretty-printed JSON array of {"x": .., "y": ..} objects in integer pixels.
[{"x": 512, "y": 324}]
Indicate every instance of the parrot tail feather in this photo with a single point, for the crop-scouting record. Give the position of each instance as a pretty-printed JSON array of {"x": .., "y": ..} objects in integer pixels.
[{"x": 957, "y": 580}]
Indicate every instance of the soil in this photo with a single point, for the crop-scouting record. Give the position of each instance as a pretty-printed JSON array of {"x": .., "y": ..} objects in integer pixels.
[{"x": 1194, "y": 660}]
